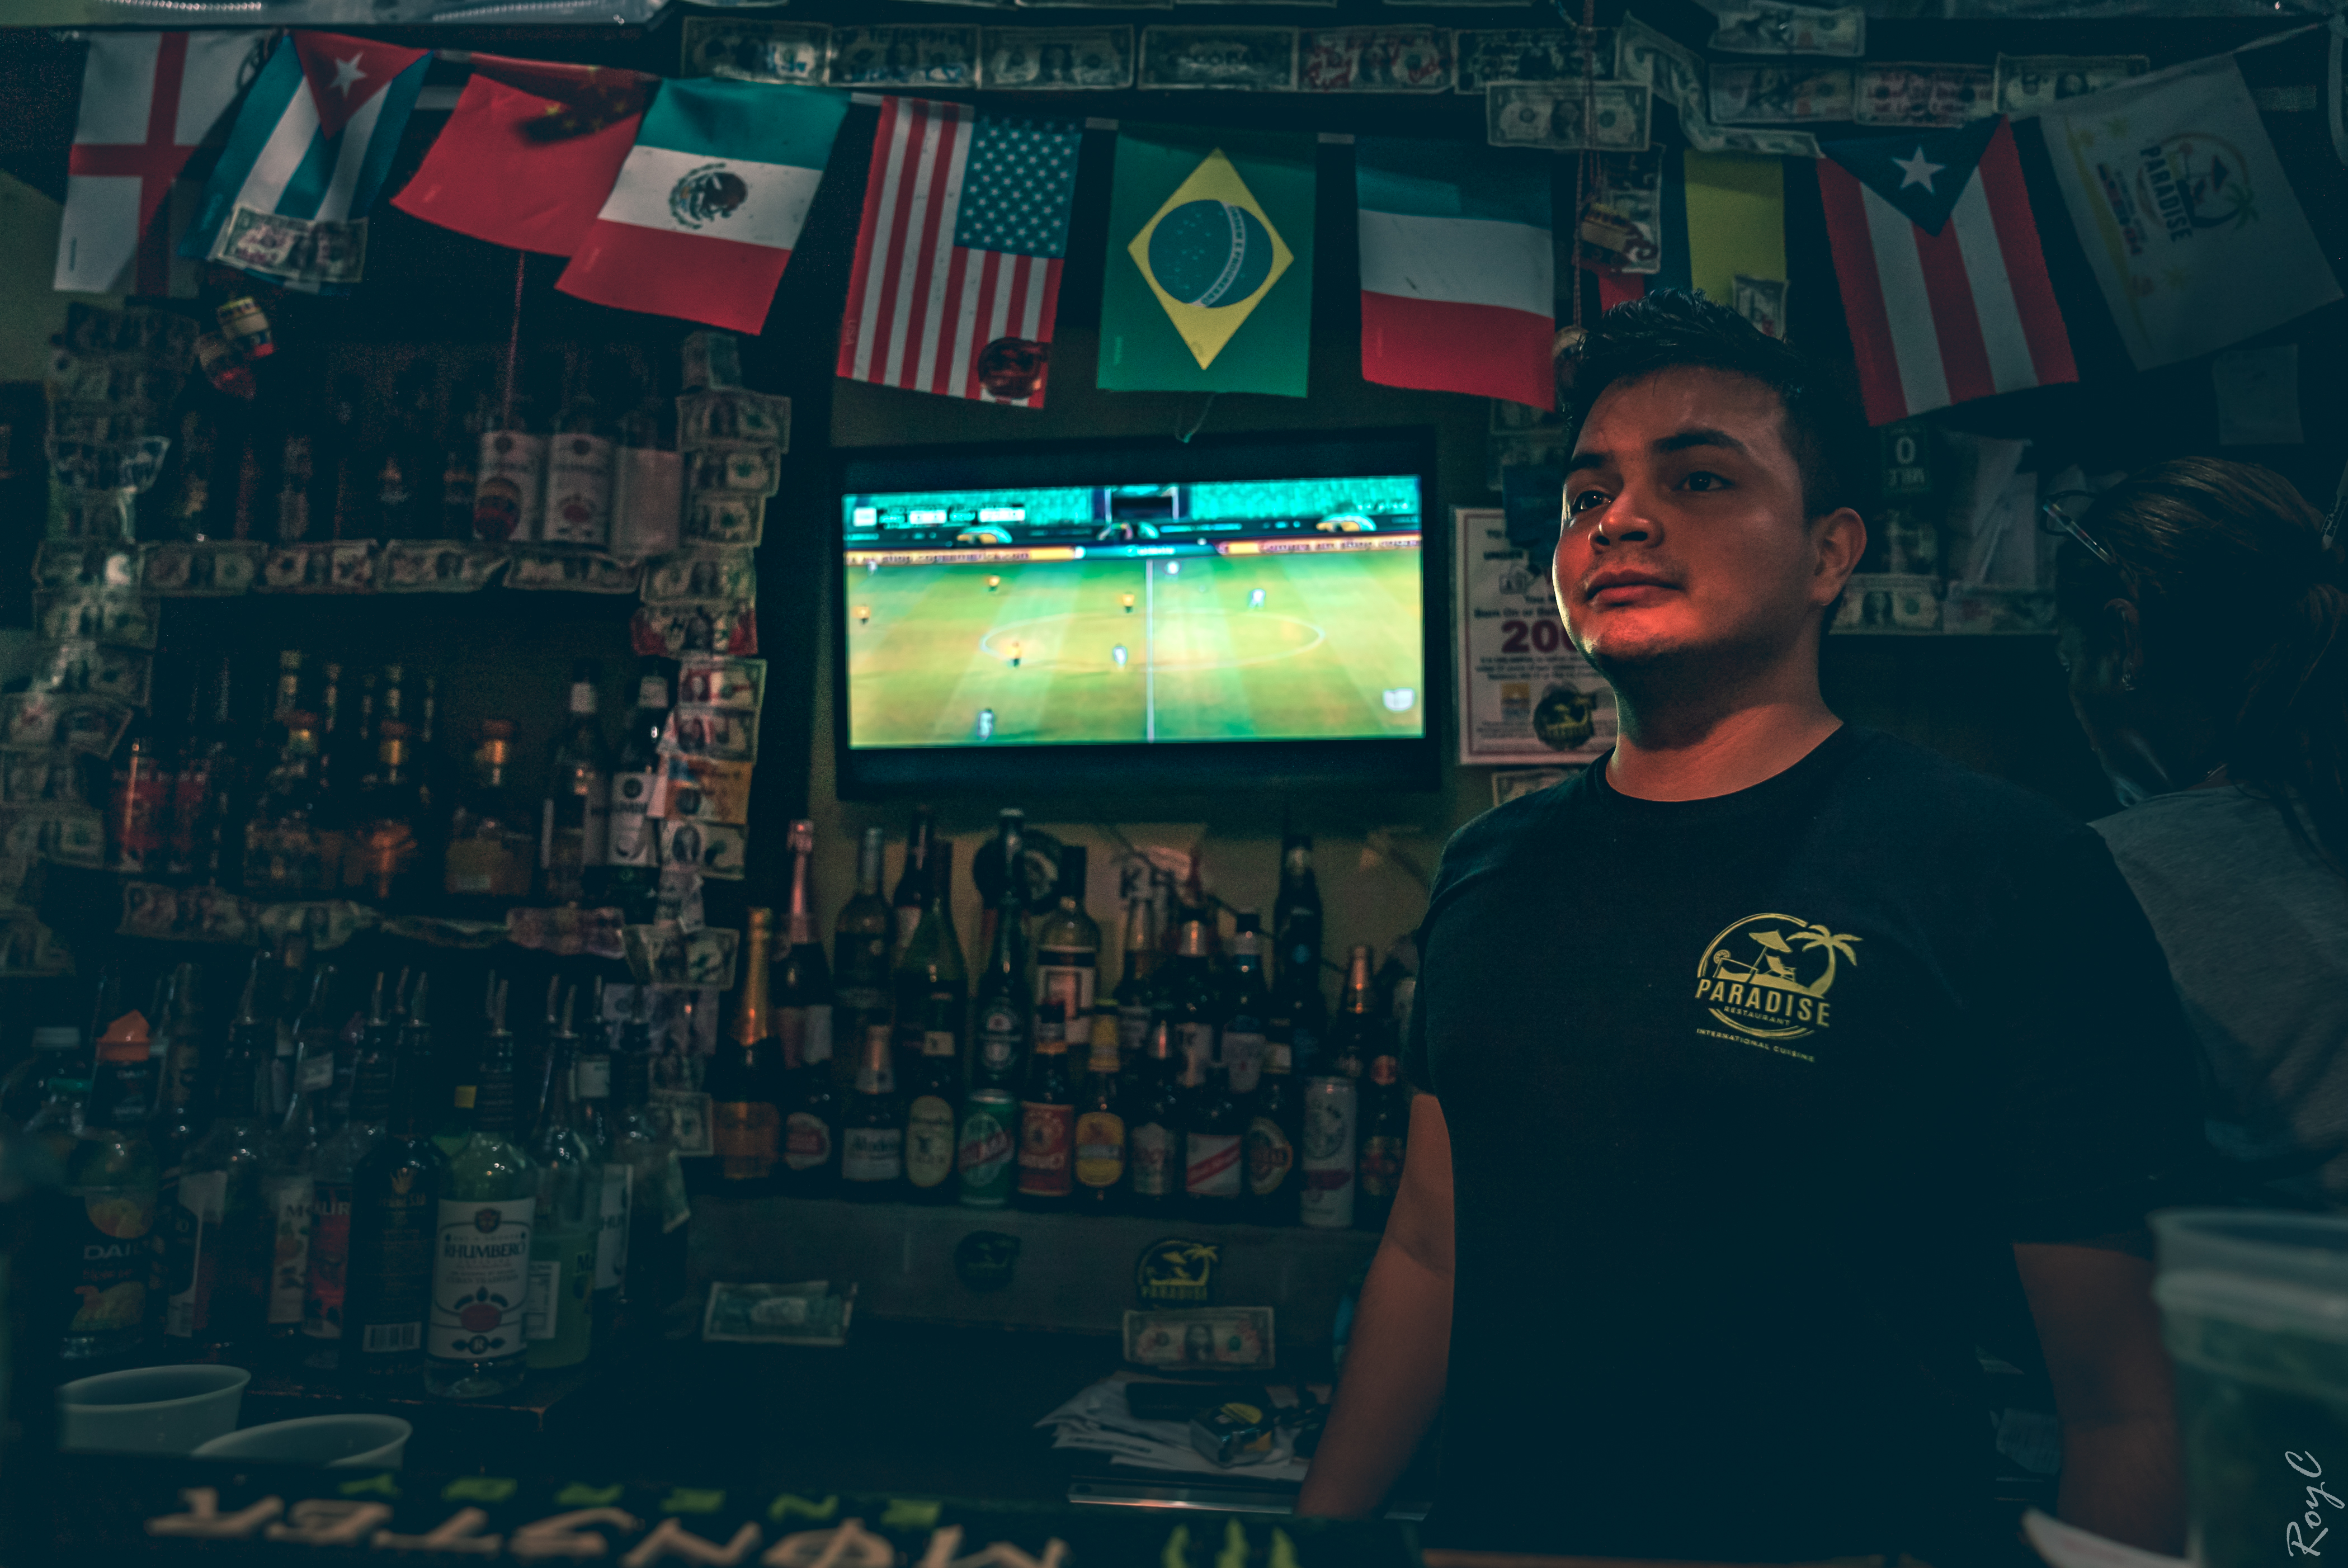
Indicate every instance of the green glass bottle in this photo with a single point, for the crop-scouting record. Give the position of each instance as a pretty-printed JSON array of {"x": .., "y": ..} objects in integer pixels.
[
  {"x": 568, "y": 1221},
  {"x": 473, "y": 1342}
]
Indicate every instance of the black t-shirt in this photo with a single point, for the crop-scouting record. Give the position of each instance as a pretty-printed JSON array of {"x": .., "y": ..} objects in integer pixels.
[{"x": 1749, "y": 1099}]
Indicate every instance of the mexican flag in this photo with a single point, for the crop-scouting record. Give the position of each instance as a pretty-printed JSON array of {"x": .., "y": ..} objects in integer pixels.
[
  {"x": 1209, "y": 276},
  {"x": 702, "y": 217}
]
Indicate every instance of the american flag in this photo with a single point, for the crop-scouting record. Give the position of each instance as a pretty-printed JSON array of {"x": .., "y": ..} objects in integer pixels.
[{"x": 958, "y": 260}]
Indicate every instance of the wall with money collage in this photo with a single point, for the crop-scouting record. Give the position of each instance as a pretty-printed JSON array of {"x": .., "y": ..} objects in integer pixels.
[{"x": 686, "y": 524}]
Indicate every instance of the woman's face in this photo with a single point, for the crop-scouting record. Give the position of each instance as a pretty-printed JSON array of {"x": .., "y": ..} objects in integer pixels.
[{"x": 2109, "y": 713}]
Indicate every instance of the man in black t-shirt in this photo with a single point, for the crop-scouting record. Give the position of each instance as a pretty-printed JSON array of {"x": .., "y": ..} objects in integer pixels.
[{"x": 1766, "y": 1066}]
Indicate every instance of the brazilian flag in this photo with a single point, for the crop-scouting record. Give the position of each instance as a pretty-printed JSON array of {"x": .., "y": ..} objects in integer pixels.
[{"x": 1209, "y": 276}]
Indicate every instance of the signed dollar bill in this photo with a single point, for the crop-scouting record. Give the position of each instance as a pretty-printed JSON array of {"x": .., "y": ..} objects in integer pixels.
[
  {"x": 1770, "y": 141},
  {"x": 1779, "y": 95},
  {"x": 793, "y": 54},
  {"x": 1760, "y": 27},
  {"x": 904, "y": 57},
  {"x": 2029, "y": 83},
  {"x": 733, "y": 418},
  {"x": 702, "y": 574},
  {"x": 1489, "y": 55},
  {"x": 1254, "y": 59},
  {"x": 1641, "y": 54},
  {"x": 1204, "y": 1338},
  {"x": 1925, "y": 95},
  {"x": 666, "y": 955},
  {"x": 307, "y": 254},
  {"x": 745, "y": 471},
  {"x": 1376, "y": 60},
  {"x": 125, "y": 620},
  {"x": 1568, "y": 117},
  {"x": 807, "y": 1313},
  {"x": 1056, "y": 60}
]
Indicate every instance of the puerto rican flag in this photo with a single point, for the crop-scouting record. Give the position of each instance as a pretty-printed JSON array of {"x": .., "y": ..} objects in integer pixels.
[
  {"x": 1459, "y": 286},
  {"x": 148, "y": 101},
  {"x": 1941, "y": 275},
  {"x": 957, "y": 276},
  {"x": 315, "y": 138}
]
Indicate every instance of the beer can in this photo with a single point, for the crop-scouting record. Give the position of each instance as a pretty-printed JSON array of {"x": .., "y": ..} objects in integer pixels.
[
  {"x": 1328, "y": 1200},
  {"x": 987, "y": 1148},
  {"x": 246, "y": 325}
]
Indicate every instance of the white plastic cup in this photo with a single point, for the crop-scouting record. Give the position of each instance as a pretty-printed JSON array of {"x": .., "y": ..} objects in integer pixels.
[
  {"x": 150, "y": 1409},
  {"x": 377, "y": 1442},
  {"x": 2254, "y": 1310}
]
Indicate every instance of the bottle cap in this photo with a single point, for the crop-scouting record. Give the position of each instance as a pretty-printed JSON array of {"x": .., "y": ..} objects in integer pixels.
[{"x": 57, "y": 1036}]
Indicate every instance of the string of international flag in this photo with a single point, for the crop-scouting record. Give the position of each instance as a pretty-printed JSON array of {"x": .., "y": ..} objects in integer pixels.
[{"x": 685, "y": 198}]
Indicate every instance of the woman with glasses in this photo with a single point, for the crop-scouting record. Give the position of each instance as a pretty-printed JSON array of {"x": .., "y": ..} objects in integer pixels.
[{"x": 2204, "y": 628}]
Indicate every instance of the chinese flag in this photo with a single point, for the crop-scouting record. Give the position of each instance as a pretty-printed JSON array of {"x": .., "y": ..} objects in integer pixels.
[{"x": 529, "y": 153}]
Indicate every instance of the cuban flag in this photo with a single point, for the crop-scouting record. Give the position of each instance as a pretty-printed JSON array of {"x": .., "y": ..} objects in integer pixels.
[
  {"x": 148, "y": 101},
  {"x": 1458, "y": 290},
  {"x": 315, "y": 137},
  {"x": 1940, "y": 271},
  {"x": 702, "y": 219}
]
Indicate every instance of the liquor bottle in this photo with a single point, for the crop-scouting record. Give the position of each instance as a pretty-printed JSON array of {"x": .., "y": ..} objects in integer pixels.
[
  {"x": 1047, "y": 1115},
  {"x": 492, "y": 840},
  {"x": 341, "y": 760},
  {"x": 1214, "y": 1134},
  {"x": 296, "y": 477},
  {"x": 383, "y": 856},
  {"x": 469, "y": 415},
  {"x": 510, "y": 480},
  {"x": 403, "y": 472},
  {"x": 873, "y": 1134},
  {"x": 861, "y": 944},
  {"x": 473, "y": 1342},
  {"x": 1005, "y": 1004},
  {"x": 204, "y": 786},
  {"x": 342, "y": 463},
  {"x": 57, "y": 1124},
  {"x": 574, "y": 815},
  {"x": 1188, "y": 996},
  {"x": 1137, "y": 989},
  {"x": 220, "y": 1245},
  {"x": 567, "y": 1223},
  {"x": 284, "y": 851},
  {"x": 591, "y": 1087},
  {"x": 1154, "y": 1143},
  {"x": 110, "y": 1185},
  {"x": 290, "y": 1177},
  {"x": 1067, "y": 945},
  {"x": 1246, "y": 1007},
  {"x": 1354, "y": 1033},
  {"x": 1296, "y": 914},
  {"x": 138, "y": 808},
  {"x": 578, "y": 468},
  {"x": 804, "y": 1009},
  {"x": 632, "y": 841},
  {"x": 1100, "y": 1146},
  {"x": 932, "y": 1092},
  {"x": 745, "y": 1079},
  {"x": 326, "y": 1287},
  {"x": 912, "y": 894},
  {"x": 245, "y": 509},
  {"x": 457, "y": 1069},
  {"x": 192, "y": 499},
  {"x": 1275, "y": 1125},
  {"x": 1385, "y": 1127},
  {"x": 646, "y": 481},
  {"x": 811, "y": 1125},
  {"x": 184, "y": 1110},
  {"x": 931, "y": 963},
  {"x": 395, "y": 1216},
  {"x": 652, "y": 1264}
]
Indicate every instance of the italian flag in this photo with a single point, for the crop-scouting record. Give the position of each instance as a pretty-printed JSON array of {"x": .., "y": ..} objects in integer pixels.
[{"x": 702, "y": 217}]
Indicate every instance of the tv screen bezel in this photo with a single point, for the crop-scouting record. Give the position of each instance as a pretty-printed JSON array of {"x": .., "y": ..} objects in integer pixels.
[{"x": 1409, "y": 764}]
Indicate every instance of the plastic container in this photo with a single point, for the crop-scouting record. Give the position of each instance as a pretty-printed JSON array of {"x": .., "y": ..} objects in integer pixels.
[
  {"x": 2254, "y": 1311},
  {"x": 150, "y": 1409},
  {"x": 337, "y": 1441}
]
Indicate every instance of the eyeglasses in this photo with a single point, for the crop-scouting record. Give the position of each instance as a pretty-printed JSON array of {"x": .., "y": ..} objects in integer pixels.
[{"x": 2053, "y": 519}]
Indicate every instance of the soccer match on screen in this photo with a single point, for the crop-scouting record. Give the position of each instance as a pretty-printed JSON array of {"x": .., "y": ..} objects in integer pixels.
[{"x": 1101, "y": 614}]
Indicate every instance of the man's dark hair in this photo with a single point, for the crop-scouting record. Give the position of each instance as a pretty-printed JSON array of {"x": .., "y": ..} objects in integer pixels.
[{"x": 1671, "y": 329}]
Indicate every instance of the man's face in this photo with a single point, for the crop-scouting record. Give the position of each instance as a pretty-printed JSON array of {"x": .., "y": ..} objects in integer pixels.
[{"x": 1683, "y": 532}]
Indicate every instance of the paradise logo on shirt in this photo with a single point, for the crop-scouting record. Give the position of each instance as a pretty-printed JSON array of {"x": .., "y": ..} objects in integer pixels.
[{"x": 1767, "y": 976}]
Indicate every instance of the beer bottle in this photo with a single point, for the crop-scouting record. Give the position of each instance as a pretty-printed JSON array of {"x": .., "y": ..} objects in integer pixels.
[
  {"x": 568, "y": 1221},
  {"x": 474, "y": 1346},
  {"x": 288, "y": 1175},
  {"x": 1246, "y": 1007},
  {"x": 745, "y": 1078},
  {"x": 1275, "y": 1122},
  {"x": 1154, "y": 1138},
  {"x": 933, "y": 1092},
  {"x": 1354, "y": 1033},
  {"x": 1385, "y": 1124},
  {"x": 872, "y": 1140},
  {"x": 1214, "y": 1129},
  {"x": 332, "y": 1173},
  {"x": 394, "y": 1194},
  {"x": 1296, "y": 914},
  {"x": 186, "y": 1111},
  {"x": 599, "y": 1127},
  {"x": 1100, "y": 1122},
  {"x": 1067, "y": 945},
  {"x": 1135, "y": 989},
  {"x": 861, "y": 943},
  {"x": 931, "y": 963},
  {"x": 803, "y": 1012},
  {"x": 1005, "y": 1004},
  {"x": 912, "y": 894},
  {"x": 575, "y": 814},
  {"x": 652, "y": 1260},
  {"x": 221, "y": 1243},
  {"x": 1189, "y": 995},
  {"x": 1047, "y": 1115},
  {"x": 811, "y": 1125}
]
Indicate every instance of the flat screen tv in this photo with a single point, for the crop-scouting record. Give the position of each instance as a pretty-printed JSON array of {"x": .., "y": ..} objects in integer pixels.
[{"x": 1252, "y": 611}]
